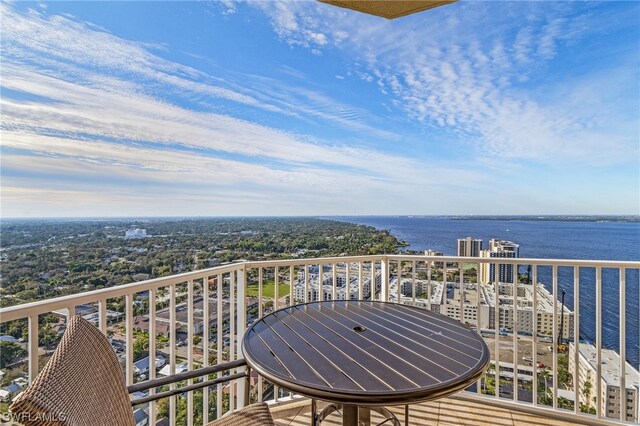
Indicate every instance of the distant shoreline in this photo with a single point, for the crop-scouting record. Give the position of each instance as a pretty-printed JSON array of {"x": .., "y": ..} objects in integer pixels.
[
  {"x": 529, "y": 218},
  {"x": 554, "y": 218}
]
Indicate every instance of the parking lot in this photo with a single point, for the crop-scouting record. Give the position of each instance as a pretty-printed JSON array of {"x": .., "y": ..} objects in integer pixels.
[{"x": 525, "y": 349}]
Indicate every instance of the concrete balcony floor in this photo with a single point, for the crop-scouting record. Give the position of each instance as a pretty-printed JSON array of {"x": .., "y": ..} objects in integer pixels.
[{"x": 446, "y": 411}]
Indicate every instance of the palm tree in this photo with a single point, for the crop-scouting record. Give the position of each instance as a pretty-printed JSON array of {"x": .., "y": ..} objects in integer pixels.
[
  {"x": 586, "y": 390},
  {"x": 545, "y": 375},
  {"x": 488, "y": 375}
]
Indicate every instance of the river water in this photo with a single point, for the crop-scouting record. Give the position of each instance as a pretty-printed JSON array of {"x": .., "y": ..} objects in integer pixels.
[{"x": 549, "y": 239}]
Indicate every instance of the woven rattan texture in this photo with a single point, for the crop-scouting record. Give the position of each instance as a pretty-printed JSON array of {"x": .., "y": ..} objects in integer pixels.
[{"x": 82, "y": 384}]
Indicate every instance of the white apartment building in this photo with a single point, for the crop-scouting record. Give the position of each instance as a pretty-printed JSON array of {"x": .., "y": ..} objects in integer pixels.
[
  {"x": 135, "y": 233},
  {"x": 435, "y": 253},
  {"x": 472, "y": 310},
  {"x": 611, "y": 399},
  {"x": 421, "y": 287},
  {"x": 313, "y": 292},
  {"x": 526, "y": 314},
  {"x": 485, "y": 309}
]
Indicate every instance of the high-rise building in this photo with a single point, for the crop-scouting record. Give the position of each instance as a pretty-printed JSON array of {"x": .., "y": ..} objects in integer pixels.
[
  {"x": 499, "y": 248},
  {"x": 469, "y": 247}
]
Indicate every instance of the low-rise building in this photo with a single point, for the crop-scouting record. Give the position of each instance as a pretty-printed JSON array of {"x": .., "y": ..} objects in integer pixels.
[
  {"x": 611, "y": 400},
  {"x": 421, "y": 287},
  {"x": 135, "y": 233},
  {"x": 316, "y": 292},
  {"x": 523, "y": 311},
  {"x": 13, "y": 389},
  {"x": 435, "y": 253},
  {"x": 142, "y": 366},
  {"x": 472, "y": 310}
]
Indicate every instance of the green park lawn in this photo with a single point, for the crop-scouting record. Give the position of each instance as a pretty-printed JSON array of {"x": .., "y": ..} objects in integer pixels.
[{"x": 268, "y": 289}]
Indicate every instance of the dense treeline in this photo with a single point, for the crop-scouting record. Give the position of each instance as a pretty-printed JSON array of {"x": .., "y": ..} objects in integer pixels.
[{"x": 44, "y": 259}]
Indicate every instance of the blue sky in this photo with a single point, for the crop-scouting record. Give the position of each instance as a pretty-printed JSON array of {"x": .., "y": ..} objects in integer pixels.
[{"x": 300, "y": 108}]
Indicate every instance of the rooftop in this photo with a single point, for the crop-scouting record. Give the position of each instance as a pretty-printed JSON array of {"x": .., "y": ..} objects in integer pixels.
[{"x": 610, "y": 366}]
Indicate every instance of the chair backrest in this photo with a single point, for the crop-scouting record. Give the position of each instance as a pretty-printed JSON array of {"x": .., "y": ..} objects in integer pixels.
[{"x": 82, "y": 384}]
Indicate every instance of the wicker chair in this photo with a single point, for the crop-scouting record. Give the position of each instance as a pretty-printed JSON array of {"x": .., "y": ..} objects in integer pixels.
[{"x": 82, "y": 384}]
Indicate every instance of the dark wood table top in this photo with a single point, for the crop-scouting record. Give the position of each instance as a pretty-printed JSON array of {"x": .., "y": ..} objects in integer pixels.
[{"x": 367, "y": 353}]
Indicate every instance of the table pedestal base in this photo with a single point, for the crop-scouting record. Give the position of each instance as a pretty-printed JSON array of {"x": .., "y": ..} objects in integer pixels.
[{"x": 352, "y": 415}]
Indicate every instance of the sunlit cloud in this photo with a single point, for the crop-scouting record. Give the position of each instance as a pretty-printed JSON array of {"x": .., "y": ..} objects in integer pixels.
[
  {"x": 466, "y": 76},
  {"x": 94, "y": 122}
]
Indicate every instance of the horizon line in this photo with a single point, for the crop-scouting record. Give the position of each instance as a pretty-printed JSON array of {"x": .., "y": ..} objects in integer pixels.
[{"x": 573, "y": 215}]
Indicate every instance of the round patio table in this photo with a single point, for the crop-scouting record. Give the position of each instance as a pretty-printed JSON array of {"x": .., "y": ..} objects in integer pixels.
[{"x": 364, "y": 353}]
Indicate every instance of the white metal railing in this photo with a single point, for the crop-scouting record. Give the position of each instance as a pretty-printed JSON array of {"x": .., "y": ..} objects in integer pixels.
[{"x": 198, "y": 318}]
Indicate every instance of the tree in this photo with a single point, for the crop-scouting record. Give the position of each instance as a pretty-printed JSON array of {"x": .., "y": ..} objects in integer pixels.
[
  {"x": 9, "y": 352},
  {"x": 586, "y": 391},
  {"x": 564, "y": 377},
  {"x": 489, "y": 380},
  {"x": 585, "y": 408},
  {"x": 140, "y": 348},
  {"x": 565, "y": 403},
  {"x": 48, "y": 336},
  {"x": 545, "y": 375}
]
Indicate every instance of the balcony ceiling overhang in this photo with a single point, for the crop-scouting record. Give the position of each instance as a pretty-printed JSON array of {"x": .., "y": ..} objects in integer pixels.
[{"x": 386, "y": 8}]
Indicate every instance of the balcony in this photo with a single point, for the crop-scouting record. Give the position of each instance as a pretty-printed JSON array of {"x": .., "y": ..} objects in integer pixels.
[
  {"x": 447, "y": 411},
  {"x": 538, "y": 370}
]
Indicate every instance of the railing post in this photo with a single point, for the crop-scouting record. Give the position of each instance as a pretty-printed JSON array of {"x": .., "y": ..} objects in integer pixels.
[
  {"x": 190, "y": 347},
  {"x": 233, "y": 327},
  {"x": 384, "y": 284},
  {"x": 129, "y": 338},
  {"x": 205, "y": 347},
  {"x": 102, "y": 316},
  {"x": 623, "y": 344},
  {"x": 534, "y": 332},
  {"x": 33, "y": 347},
  {"x": 219, "y": 341},
  {"x": 576, "y": 339},
  {"x": 172, "y": 350},
  {"x": 515, "y": 332},
  {"x": 598, "y": 386},
  {"x": 554, "y": 344},
  {"x": 243, "y": 385},
  {"x": 306, "y": 284},
  {"x": 152, "y": 351},
  {"x": 360, "y": 284},
  {"x": 292, "y": 298}
]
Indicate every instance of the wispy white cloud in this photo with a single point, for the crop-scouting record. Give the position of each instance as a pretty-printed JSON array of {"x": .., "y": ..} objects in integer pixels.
[
  {"x": 71, "y": 47},
  {"x": 463, "y": 70},
  {"x": 111, "y": 111},
  {"x": 79, "y": 123},
  {"x": 84, "y": 119}
]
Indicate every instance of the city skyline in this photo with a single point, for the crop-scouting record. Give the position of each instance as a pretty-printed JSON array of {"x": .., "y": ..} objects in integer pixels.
[{"x": 300, "y": 108}]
